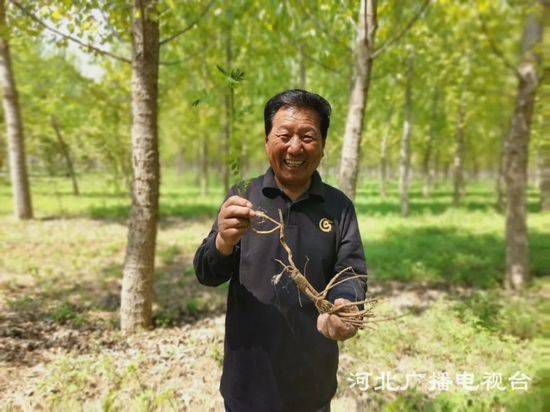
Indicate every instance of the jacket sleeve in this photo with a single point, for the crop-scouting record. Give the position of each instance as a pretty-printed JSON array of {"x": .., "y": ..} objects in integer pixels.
[
  {"x": 350, "y": 254},
  {"x": 211, "y": 267}
]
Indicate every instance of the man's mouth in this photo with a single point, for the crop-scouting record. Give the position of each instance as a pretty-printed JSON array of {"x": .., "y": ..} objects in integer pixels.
[{"x": 294, "y": 164}]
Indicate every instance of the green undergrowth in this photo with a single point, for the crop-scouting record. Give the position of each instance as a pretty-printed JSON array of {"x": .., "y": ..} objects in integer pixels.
[
  {"x": 481, "y": 334},
  {"x": 451, "y": 335},
  {"x": 64, "y": 269}
]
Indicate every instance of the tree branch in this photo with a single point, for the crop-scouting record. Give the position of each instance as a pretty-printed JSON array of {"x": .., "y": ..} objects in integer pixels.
[
  {"x": 295, "y": 45},
  {"x": 409, "y": 25},
  {"x": 88, "y": 46},
  {"x": 327, "y": 33},
  {"x": 321, "y": 64},
  {"x": 496, "y": 51},
  {"x": 189, "y": 26}
]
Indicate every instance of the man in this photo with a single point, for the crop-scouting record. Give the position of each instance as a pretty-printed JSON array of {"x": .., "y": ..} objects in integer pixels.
[{"x": 280, "y": 354}]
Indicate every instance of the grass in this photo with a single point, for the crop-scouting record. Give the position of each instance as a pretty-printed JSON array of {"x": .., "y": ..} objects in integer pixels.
[
  {"x": 455, "y": 337},
  {"x": 442, "y": 266}
]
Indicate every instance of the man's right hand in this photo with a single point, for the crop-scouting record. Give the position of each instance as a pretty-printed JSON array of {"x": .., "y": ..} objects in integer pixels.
[{"x": 233, "y": 222}]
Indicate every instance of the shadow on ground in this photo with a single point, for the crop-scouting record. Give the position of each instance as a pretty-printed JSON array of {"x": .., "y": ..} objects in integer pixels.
[
  {"x": 415, "y": 263},
  {"x": 419, "y": 206},
  {"x": 448, "y": 256},
  {"x": 179, "y": 210}
]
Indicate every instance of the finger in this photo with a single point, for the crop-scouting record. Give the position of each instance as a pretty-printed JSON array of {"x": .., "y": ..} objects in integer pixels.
[
  {"x": 235, "y": 223},
  {"x": 340, "y": 301},
  {"x": 332, "y": 332},
  {"x": 322, "y": 324},
  {"x": 234, "y": 233},
  {"x": 238, "y": 201},
  {"x": 242, "y": 202},
  {"x": 345, "y": 331},
  {"x": 342, "y": 330},
  {"x": 238, "y": 211},
  {"x": 340, "y": 326}
]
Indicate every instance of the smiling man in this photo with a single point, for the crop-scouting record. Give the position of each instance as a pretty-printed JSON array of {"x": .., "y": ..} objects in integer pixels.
[{"x": 279, "y": 353}]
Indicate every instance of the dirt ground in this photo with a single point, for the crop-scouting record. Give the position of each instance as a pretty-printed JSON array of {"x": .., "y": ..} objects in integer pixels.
[{"x": 184, "y": 360}]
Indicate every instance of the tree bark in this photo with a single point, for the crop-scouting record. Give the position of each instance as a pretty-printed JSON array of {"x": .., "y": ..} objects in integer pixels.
[
  {"x": 405, "y": 150},
  {"x": 384, "y": 149},
  {"x": 66, "y": 154},
  {"x": 204, "y": 166},
  {"x": 14, "y": 126},
  {"x": 427, "y": 171},
  {"x": 364, "y": 47},
  {"x": 303, "y": 68},
  {"x": 2, "y": 154},
  {"x": 475, "y": 165},
  {"x": 544, "y": 176},
  {"x": 500, "y": 183},
  {"x": 437, "y": 168},
  {"x": 544, "y": 152},
  {"x": 384, "y": 166},
  {"x": 517, "y": 148},
  {"x": 458, "y": 162},
  {"x": 137, "y": 283},
  {"x": 231, "y": 159},
  {"x": 179, "y": 163}
]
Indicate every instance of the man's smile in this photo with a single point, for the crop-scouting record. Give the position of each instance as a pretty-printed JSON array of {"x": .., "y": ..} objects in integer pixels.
[{"x": 294, "y": 164}]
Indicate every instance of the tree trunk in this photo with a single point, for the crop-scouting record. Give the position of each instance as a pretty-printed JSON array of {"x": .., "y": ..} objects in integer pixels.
[
  {"x": 14, "y": 126},
  {"x": 517, "y": 148},
  {"x": 303, "y": 68},
  {"x": 405, "y": 150},
  {"x": 179, "y": 163},
  {"x": 500, "y": 183},
  {"x": 384, "y": 166},
  {"x": 231, "y": 158},
  {"x": 427, "y": 171},
  {"x": 364, "y": 47},
  {"x": 66, "y": 154},
  {"x": 544, "y": 176},
  {"x": 437, "y": 168},
  {"x": 458, "y": 162},
  {"x": 475, "y": 165},
  {"x": 384, "y": 149},
  {"x": 137, "y": 283},
  {"x": 544, "y": 152},
  {"x": 204, "y": 166},
  {"x": 2, "y": 154}
]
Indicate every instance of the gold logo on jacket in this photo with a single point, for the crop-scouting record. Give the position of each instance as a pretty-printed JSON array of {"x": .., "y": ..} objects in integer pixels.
[{"x": 325, "y": 225}]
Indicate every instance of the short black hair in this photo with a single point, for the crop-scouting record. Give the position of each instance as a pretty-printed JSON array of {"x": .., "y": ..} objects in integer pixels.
[{"x": 298, "y": 98}]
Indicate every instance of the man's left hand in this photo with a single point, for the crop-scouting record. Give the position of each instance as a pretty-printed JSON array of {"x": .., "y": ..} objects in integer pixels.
[{"x": 332, "y": 327}]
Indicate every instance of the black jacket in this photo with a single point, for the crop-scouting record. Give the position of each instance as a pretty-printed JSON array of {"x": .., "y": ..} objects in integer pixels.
[{"x": 274, "y": 357}]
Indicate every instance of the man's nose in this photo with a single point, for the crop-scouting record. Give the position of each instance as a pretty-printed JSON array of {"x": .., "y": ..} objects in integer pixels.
[{"x": 294, "y": 144}]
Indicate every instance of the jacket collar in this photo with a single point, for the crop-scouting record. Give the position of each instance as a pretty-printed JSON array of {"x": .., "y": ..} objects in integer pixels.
[{"x": 270, "y": 188}]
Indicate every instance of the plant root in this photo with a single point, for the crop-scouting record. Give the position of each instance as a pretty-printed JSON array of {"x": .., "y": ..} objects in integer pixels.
[{"x": 349, "y": 313}]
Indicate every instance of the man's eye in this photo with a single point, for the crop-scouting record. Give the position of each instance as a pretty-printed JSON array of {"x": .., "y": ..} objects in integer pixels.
[
  {"x": 285, "y": 137},
  {"x": 309, "y": 139}
]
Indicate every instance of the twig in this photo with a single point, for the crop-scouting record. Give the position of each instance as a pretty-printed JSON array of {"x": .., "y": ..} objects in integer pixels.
[
  {"x": 357, "y": 318},
  {"x": 397, "y": 37},
  {"x": 496, "y": 51},
  {"x": 76, "y": 40},
  {"x": 188, "y": 27}
]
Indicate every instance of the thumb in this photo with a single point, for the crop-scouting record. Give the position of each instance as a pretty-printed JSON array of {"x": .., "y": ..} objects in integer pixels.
[
  {"x": 322, "y": 322},
  {"x": 340, "y": 301}
]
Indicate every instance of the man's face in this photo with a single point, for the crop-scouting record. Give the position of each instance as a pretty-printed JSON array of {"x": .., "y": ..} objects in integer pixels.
[{"x": 294, "y": 145}]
